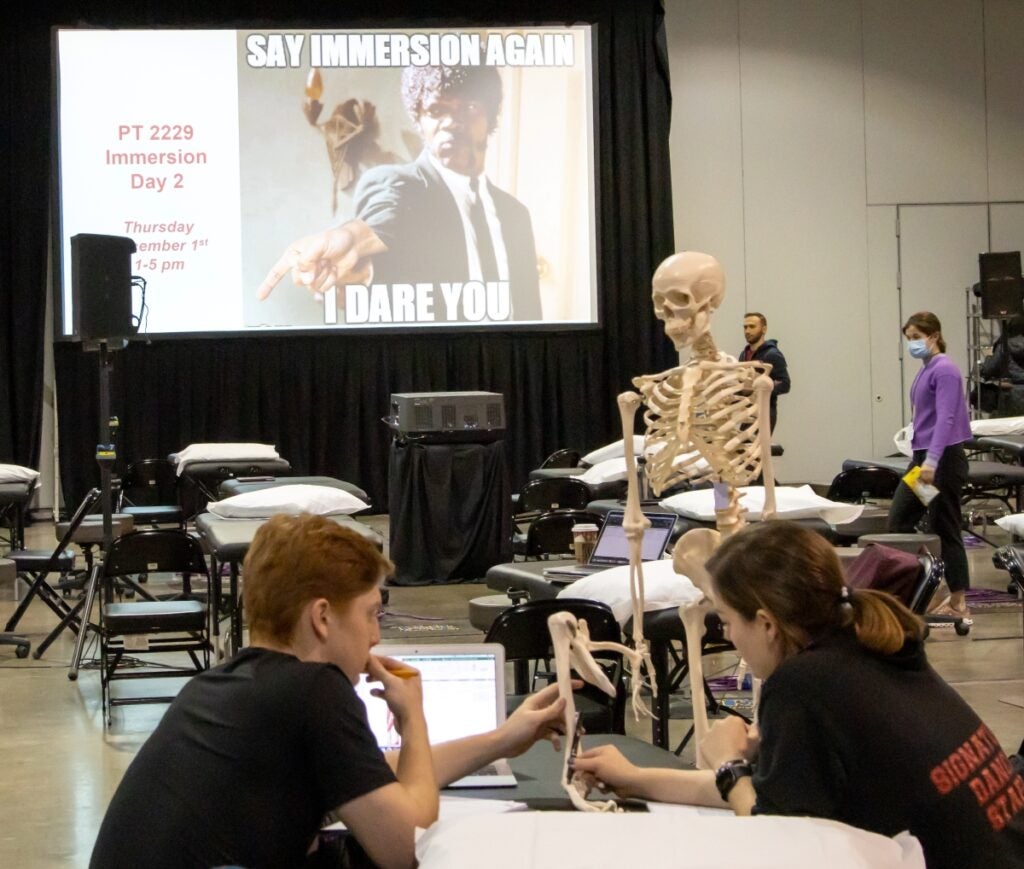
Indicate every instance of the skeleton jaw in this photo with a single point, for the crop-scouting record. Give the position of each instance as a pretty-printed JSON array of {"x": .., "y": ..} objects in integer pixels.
[{"x": 684, "y": 331}]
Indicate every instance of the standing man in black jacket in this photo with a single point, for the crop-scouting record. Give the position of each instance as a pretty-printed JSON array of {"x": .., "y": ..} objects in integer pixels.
[{"x": 755, "y": 327}]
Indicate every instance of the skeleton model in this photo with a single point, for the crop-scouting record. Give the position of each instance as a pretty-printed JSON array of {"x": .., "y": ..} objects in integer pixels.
[{"x": 706, "y": 421}]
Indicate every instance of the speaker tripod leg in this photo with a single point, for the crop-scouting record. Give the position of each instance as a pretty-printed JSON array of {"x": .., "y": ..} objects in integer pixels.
[{"x": 90, "y": 595}]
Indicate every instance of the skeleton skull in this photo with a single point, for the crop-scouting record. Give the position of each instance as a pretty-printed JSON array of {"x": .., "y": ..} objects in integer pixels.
[{"x": 687, "y": 287}]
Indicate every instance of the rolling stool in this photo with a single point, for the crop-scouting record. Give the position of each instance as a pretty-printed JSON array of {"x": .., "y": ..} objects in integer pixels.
[
  {"x": 484, "y": 610},
  {"x": 9, "y": 571},
  {"x": 912, "y": 543}
]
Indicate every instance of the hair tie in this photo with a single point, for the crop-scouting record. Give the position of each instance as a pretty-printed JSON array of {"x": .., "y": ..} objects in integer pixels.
[{"x": 845, "y": 595}]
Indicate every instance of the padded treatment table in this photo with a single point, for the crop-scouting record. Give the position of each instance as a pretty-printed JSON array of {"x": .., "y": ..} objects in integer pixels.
[
  {"x": 227, "y": 541},
  {"x": 14, "y": 498},
  {"x": 984, "y": 479},
  {"x": 1011, "y": 445},
  {"x": 241, "y": 485},
  {"x": 450, "y": 507},
  {"x": 611, "y": 489},
  {"x": 529, "y": 576},
  {"x": 198, "y": 481}
]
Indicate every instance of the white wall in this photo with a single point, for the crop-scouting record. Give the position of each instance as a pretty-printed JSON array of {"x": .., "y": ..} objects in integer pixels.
[{"x": 800, "y": 129}]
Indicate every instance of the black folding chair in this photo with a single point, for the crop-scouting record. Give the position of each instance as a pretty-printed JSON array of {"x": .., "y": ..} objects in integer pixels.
[
  {"x": 34, "y": 566},
  {"x": 149, "y": 493},
  {"x": 150, "y": 626},
  {"x": 551, "y": 532},
  {"x": 567, "y": 458}
]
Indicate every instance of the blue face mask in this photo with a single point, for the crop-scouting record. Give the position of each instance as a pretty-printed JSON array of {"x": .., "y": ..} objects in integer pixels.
[{"x": 918, "y": 348}]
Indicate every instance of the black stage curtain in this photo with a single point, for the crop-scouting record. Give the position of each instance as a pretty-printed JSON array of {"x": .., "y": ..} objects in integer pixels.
[
  {"x": 320, "y": 398},
  {"x": 23, "y": 236}
]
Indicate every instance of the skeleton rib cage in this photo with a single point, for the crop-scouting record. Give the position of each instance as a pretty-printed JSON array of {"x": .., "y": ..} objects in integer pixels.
[{"x": 703, "y": 423}]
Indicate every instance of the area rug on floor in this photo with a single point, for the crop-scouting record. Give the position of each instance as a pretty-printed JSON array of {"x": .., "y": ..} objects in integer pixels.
[{"x": 990, "y": 599}]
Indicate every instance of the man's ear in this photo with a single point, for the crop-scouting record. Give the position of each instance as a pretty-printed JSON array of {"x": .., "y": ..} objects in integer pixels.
[{"x": 318, "y": 612}]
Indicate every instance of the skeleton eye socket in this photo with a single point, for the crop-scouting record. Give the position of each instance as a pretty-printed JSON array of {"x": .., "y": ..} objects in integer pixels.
[{"x": 677, "y": 298}]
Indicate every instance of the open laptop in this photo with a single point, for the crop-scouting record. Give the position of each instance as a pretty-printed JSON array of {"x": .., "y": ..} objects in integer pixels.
[
  {"x": 463, "y": 694},
  {"x": 612, "y": 547}
]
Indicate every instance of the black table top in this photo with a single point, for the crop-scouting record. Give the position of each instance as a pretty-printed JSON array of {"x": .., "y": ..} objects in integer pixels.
[{"x": 538, "y": 770}]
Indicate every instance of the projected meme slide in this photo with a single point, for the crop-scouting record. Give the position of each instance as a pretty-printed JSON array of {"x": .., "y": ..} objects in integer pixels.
[{"x": 332, "y": 180}]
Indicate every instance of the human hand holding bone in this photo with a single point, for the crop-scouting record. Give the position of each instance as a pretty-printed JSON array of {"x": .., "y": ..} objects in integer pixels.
[
  {"x": 331, "y": 258},
  {"x": 605, "y": 768},
  {"x": 540, "y": 716}
]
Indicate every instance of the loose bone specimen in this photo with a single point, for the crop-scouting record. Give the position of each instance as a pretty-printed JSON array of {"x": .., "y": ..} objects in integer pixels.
[{"x": 573, "y": 649}]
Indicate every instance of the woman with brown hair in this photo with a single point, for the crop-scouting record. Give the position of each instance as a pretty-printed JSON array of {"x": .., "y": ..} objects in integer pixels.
[
  {"x": 941, "y": 426},
  {"x": 853, "y": 724}
]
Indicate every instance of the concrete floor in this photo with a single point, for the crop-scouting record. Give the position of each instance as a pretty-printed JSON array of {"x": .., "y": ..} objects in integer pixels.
[{"x": 60, "y": 766}]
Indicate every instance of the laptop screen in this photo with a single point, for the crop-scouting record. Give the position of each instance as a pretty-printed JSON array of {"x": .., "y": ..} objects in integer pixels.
[
  {"x": 463, "y": 691},
  {"x": 613, "y": 548}
]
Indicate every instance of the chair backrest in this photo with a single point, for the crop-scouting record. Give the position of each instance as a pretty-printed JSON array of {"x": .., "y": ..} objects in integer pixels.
[
  {"x": 552, "y": 494},
  {"x": 567, "y": 458},
  {"x": 523, "y": 629},
  {"x": 551, "y": 532},
  {"x": 856, "y": 485},
  {"x": 150, "y": 483},
  {"x": 155, "y": 551}
]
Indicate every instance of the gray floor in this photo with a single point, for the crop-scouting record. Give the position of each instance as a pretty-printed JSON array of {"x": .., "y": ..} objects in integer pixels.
[{"x": 60, "y": 766}]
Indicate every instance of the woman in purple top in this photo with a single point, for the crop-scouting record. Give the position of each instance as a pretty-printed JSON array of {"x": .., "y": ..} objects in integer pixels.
[{"x": 941, "y": 426}]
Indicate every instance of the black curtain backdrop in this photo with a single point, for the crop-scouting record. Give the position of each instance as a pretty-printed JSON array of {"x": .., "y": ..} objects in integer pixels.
[{"x": 320, "y": 399}]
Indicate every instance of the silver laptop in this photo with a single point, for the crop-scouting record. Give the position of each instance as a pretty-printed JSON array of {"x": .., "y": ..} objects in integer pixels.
[
  {"x": 612, "y": 547},
  {"x": 463, "y": 694}
]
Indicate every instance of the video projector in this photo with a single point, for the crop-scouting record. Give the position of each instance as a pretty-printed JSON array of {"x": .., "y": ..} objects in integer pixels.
[{"x": 447, "y": 417}]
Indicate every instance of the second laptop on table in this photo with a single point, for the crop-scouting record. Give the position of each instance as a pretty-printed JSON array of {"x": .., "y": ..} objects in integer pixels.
[{"x": 612, "y": 547}]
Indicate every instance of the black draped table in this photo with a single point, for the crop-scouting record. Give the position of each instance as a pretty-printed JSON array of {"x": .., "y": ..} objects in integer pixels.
[{"x": 450, "y": 507}]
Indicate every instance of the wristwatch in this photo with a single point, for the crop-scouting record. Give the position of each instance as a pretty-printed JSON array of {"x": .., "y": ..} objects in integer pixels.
[{"x": 729, "y": 773}]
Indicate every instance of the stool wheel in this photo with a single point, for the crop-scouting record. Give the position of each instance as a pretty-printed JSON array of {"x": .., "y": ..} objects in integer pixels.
[
  {"x": 21, "y": 650},
  {"x": 961, "y": 629}
]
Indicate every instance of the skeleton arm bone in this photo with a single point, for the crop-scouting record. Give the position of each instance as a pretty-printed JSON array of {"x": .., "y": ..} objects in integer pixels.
[
  {"x": 634, "y": 523},
  {"x": 763, "y": 386}
]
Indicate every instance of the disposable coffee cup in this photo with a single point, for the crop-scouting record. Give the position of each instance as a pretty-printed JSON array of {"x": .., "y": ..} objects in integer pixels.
[{"x": 584, "y": 539}]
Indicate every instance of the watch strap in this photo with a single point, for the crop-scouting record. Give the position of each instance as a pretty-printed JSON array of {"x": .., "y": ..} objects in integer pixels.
[{"x": 729, "y": 773}]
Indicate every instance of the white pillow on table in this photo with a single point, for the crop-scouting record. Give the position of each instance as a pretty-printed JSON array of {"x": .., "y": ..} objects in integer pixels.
[
  {"x": 1013, "y": 523},
  {"x": 608, "y": 471},
  {"x": 613, "y": 451},
  {"x": 1003, "y": 426},
  {"x": 18, "y": 474},
  {"x": 663, "y": 589},
  {"x": 226, "y": 452},
  {"x": 791, "y": 502},
  {"x": 299, "y": 498}
]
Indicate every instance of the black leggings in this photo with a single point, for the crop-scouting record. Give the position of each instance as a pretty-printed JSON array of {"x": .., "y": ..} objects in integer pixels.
[{"x": 944, "y": 514}]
